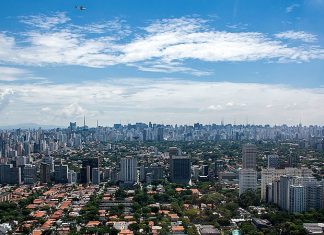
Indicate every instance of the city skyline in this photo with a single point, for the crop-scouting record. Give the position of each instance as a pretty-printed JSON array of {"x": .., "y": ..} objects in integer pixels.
[{"x": 166, "y": 62}]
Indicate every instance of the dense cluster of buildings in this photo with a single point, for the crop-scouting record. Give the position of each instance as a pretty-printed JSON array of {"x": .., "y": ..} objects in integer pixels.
[
  {"x": 46, "y": 170},
  {"x": 82, "y": 159},
  {"x": 20, "y": 142},
  {"x": 292, "y": 189}
]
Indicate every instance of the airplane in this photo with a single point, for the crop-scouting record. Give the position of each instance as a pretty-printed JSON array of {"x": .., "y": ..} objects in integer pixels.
[{"x": 81, "y": 8}]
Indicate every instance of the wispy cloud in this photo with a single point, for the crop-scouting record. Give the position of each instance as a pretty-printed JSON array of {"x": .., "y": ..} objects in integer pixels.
[
  {"x": 45, "y": 21},
  {"x": 12, "y": 74},
  {"x": 297, "y": 35},
  {"x": 162, "y": 46},
  {"x": 292, "y": 7}
]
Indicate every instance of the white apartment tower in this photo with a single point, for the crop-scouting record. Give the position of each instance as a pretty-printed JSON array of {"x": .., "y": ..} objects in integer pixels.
[
  {"x": 128, "y": 170},
  {"x": 248, "y": 173}
]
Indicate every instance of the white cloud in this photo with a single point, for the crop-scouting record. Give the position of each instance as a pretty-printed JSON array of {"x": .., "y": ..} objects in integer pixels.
[
  {"x": 5, "y": 96},
  {"x": 45, "y": 21},
  {"x": 72, "y": 111},
  {"x": 162, "y": 46},
  {"x": 297, "y": 35},
  {"x": 116, "y": 26},
  {"x": 292, "y": 7},
  {"x": 215, "y": 107},
  {"x": 46, "y": 109},
  {"x": 12, "y": 74},
  {"x": 166, "y": 100}
]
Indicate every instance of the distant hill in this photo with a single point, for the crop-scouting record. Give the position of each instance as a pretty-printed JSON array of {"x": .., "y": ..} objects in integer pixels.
[{"x": 29, "y": 126}]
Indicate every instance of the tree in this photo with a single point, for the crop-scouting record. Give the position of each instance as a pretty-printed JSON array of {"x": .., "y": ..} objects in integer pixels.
[
  {"x": 249, "y": 198},
  {"x": 134, "y": 227},
  {"x": 248, "y": 228},
  {"x": 120, "y": 194}
]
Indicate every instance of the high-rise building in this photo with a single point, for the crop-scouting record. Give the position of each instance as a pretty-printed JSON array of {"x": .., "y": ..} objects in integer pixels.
[
  {"x": 72, "y": 177},
  {"x": 293, "y": 160},
  {"x": 314, "y": 195},
  {"x": 86, "y": 171},
  {"x": 284, "y": 185},
  {"x": 88, "y": 174},
  {"x": 219, "y": 167},
  {"x": 83, "y": 179},
  {"x": 10, "y": 174},
  {"x": 268, "y": 175},
  {"x": 95, "y": 176},
  {"x": 297, "y": 199},
  {"x": 273, "y": 161},
  {"x": 157, "y": 172},
  {"x": 27, "y": 148},
  {"x": 73, "y": 126},
  {"x": 21, "y": 160},
  {"x": 180, "y": 169},
  {"x": 142, "y": 173},
  {"x": 45, "y": 173},
  {"x": 205, "y": 170},
  {"x": 247, "y": 180},
  {"x": 248, "y": 174},
  {"x": 160, "y": 133},
  {"x": 50, "y": 161},
  {"x": 295, "y": 193},
  {"x": 29, "y": 174},
  {"x": 61, "y": 174},
  {"x": 128, "y": 170},
  {"x": 249, "y": 152}
]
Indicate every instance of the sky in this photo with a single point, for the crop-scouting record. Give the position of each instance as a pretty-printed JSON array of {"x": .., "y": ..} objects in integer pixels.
[{"x": 170, "y": 61}]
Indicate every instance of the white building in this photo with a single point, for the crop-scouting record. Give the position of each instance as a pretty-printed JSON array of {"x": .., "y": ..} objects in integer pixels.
[
  {"x": 72, "y": 177},
  {"x": 297, "y": 199},
  {"x": 247, "y": 180},
  {"x": 268, "y": 175},
  {"x": 128, "y": 170}
]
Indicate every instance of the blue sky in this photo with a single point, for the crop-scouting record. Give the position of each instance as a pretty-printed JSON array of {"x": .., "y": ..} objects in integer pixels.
[{"x": 166, "y": 61}]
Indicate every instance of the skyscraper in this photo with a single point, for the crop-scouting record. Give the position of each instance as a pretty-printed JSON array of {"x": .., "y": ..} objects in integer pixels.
[
  {"x": 10, "y": 174},
  {"x": 297, "y": 199},
  {"x": 50, "y": 161},
  {"x": 61, "y": 174},
  {"x": 160, "y": 133},
  {"x": 247, "y": 180},
  {"x": 284, "y": 185},
  {"x": 249, "y": 152},
  {"x": 219, "y": 166},
  {"x": 29, "y": 173},
  {"x": 72, "y": 177},
  {"x": 314, "y": 195},
  {"x": 268, "y": 175},
  {"x": 45, "y": 173},
  {"x": 86, "y": 171},
  {"x": 95, "y": 176},
  {"x": 157, "y": 172},
  {"x": 180, "y": 169},
  {"x": 248, "y": 174},
  {"x": 128, "y": 170}
]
